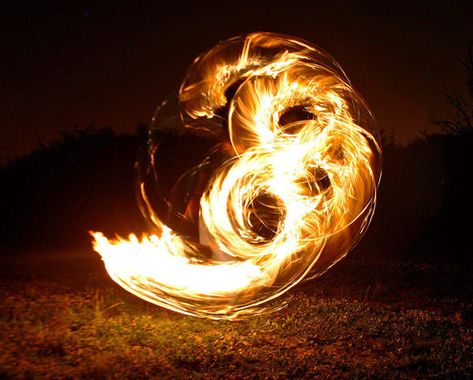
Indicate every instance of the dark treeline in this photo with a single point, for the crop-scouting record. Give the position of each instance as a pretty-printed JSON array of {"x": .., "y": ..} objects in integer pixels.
[
  {"x": 424, "y": 199},
  {"x": 83, "y": 182},
  {"x": 86, "y": 181}
]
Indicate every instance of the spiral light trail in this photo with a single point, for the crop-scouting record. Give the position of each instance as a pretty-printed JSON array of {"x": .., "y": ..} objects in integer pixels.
[{"x": 293, "y": 189}]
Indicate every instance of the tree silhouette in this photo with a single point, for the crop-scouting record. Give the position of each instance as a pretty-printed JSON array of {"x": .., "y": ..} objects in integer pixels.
[{"x": 462, "y": 119}]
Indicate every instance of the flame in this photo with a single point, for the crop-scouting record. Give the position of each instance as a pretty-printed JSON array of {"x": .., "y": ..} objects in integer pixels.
[{"x": 314, "y": 173}]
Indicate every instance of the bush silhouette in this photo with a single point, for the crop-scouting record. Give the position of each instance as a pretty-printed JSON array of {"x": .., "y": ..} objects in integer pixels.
[{"x": 86, "y": 181}]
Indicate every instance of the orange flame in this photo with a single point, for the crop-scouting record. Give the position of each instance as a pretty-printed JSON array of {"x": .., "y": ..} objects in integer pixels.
[{"x": 305, "y": 151}]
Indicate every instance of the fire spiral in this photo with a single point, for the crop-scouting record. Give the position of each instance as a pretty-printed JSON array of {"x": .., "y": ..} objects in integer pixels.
[{"x": 285, "y": 189}]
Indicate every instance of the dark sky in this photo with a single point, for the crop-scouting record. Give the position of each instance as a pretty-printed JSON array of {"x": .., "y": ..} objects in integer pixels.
[{"x": 74, "y": 63}]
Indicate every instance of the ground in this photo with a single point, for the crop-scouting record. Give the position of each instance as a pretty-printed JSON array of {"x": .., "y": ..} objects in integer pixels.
[{"x": 62, "y": 317}]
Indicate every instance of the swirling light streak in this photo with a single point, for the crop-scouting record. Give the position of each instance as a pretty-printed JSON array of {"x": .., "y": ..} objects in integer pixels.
[{"x": 296, "y": 191}]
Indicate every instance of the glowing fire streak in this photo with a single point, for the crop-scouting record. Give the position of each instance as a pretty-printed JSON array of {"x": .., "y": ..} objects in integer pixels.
[{"x": 320, "y": 175}]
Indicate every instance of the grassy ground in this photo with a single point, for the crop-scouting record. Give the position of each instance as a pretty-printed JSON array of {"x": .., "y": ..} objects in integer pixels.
[{"x": 65, "y": 319}]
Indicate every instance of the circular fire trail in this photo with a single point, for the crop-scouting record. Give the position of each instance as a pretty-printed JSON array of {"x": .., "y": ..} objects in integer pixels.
[{"x": 285, "y": 189}]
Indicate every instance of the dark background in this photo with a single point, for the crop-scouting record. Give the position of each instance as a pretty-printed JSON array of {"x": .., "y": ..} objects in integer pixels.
[
  {"x": 110, "y": 63},
  {"x": 79, "y": 82},
  {"x": 70, "y": 70}
]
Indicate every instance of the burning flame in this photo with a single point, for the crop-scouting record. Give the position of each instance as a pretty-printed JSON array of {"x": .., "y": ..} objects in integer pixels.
[{"x": 295, "y": 192}]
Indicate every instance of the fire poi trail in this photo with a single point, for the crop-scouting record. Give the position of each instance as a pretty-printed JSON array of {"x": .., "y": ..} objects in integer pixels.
[{"x": 285, "y": 190}]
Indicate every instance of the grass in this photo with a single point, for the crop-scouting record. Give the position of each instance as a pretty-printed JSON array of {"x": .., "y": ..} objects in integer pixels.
[{"x": 65, "y": 319}]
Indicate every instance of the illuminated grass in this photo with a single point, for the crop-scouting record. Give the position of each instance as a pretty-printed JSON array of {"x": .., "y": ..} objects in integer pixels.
[{"x": 54, "y": 331}]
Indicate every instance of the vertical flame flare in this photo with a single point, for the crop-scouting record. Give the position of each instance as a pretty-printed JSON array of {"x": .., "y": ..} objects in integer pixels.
[{"x": 303, "y": 150}]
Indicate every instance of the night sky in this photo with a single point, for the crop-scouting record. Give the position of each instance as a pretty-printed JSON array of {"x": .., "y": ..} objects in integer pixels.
[{"x": 77, "y": 63}]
